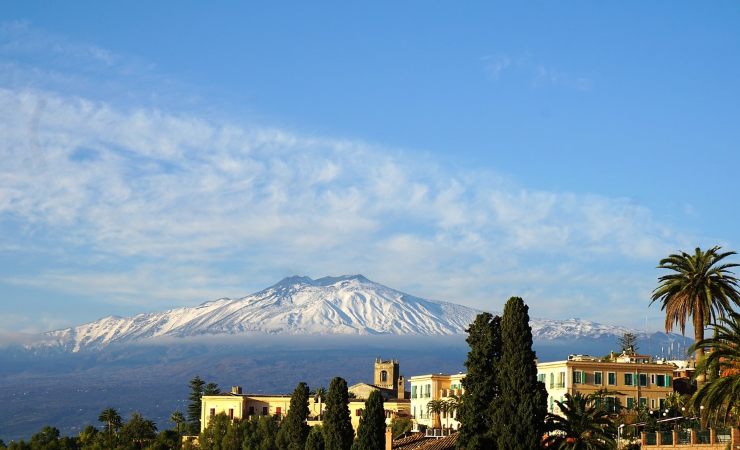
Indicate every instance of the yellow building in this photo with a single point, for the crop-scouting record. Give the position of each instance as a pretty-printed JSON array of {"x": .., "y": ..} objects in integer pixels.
[
  {"x": 237, "y": 405},
  {"x": 629, "y": 380},
  {"x": 425, "y": 388}
]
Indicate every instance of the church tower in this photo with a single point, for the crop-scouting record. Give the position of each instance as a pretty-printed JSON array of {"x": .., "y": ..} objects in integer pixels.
[{"x": 386, "y": 374}]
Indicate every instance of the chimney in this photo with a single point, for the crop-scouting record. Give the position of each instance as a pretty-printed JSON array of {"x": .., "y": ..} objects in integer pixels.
[
  {"x": 389, "y": 438},
  {"x": 237, "y": 390},
  {"x": 401, "y": 389}
]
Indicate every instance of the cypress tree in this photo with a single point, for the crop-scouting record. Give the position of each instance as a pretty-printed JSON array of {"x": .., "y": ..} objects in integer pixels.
[
  {"x": 294, "y": 430},
  {"x": 371, "y": 432},
  {"x": 480, "y": 383},
  {"x": 315, "y": 439},
  {"x": 520, "y": 408},
  {"x": 337, "y": 423},
  {"x": 196, "y": 392}
]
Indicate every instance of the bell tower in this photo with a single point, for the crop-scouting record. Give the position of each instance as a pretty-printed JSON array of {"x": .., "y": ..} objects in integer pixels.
[{"x": 386, "y": 374}]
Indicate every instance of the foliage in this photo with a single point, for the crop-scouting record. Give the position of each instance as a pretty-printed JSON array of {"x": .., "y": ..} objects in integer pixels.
[
  {"x": 371, "y": 432},
  {"x": 319, "y": 396},
  {"x": 261, "y": 433},
  {"x": 194, "y": 405},
  {"x": 628, "y": 343},
  {"x": 315, "y": 439},
  {"x": 401, "y": 425},
  {"x": 581, "y": 426},
  {"x": 138, "y": 432},
  {"x": 337, "y": 424},
  {"x": 520, "y": 409},
  {"x": 112, "y": 421},
  {"x": 435, "y": 408},
  {"x": 211, "y": 389},
  {"x": 700, "y": 286},
  {"x": 178, "y": 419},
  {"x": 480, "y": 383},
  {"x": 721, "y": 394},
  {"x": 294, "y": 430}
]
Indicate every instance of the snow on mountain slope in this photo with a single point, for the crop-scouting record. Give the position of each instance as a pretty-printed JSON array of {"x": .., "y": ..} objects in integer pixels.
[{"x": 299, "y": 305}]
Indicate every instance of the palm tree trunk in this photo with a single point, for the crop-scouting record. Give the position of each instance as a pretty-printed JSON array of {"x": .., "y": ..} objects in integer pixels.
[{"x": 698, "y": 336}]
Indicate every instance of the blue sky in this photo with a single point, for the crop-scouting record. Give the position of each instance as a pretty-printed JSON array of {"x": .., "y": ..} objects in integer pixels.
[{"x": 158, "y": 155}]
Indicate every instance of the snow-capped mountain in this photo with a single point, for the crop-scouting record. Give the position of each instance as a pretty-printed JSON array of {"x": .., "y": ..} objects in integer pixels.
[{"x": 300, "y": 305}]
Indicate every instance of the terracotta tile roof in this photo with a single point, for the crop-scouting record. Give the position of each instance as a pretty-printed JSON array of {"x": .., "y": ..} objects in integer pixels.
[{"x": 419, "y": 441}]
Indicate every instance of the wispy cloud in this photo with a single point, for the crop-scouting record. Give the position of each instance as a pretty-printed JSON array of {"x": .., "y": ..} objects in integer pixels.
[
  {"x": 537, "y": 73},
  {"x": 144, "y": 204}
]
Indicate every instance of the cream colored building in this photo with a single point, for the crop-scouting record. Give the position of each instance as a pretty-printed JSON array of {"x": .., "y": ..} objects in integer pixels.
[
  {"x": 629, "y": 380},
  {"x": 238, "y": 405},
  {"x": 425, "y": 388}
]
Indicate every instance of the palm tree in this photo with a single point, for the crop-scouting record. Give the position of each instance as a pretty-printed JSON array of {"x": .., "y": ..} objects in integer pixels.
[
  {"x": 721, "y": 394},
  {"x": 453, "y": 406},
  {"x": 700, "y": 286},
  {"x": 435, "y": 408},
  {"x": 178, "y": 419},
  {"x": 582, "y": 426},
  {"x": 319, "y": 396},
  {"x": 112, "y": 421}
]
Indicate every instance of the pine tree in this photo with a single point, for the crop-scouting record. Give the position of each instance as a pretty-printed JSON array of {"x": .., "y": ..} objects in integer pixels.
[
  {"x": 315, "y": 439},
  {"x": 520, "y": 408},
  {"x": 196, "y": 392},
  {"x": 337, "y": 423},
  {"x": 294, "y": 430},
  {"x": 480, "y": 383},
  {"x": 371, "y": 432},
  {"x": 628, "y": 343},
  {"x": 211, "y": 389}
]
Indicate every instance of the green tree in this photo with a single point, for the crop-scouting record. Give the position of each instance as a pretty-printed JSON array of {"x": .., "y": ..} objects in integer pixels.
[
  {"x": 167, "y": 440},
  {"x": 88, "y": 436},
  {"x": 315, "y": 439},
  {"x": 582, "y": 426},
  {"x": 721, "y": 394},
  {"x": 628, "y": 343},
  {"x": 112, "y": 421},
  {"x": 371, "y": 432},
  {"x": 436, "y": 408},
  {"x": 294, "y": 430},
  {"x": 213, "y": 435},
  {"x": 454, "y": 402},
  {"x": 337, "y": 423},
  {"x": 235, "y": 435},
  {"x": 46, "y": 439},
  {"x": 480, "y": 383},
  {"x": 138, "y": 431},
  {"x": 520, "y": 409},
  {"x": 194, "y": 405},
  {"x": 700, "y": 286},
  {"x": 211, "y": 389},
  {"x": 179, "y": 420},
  {"x": 261, "y": 434},
  {"x": 400, "y": 426}
]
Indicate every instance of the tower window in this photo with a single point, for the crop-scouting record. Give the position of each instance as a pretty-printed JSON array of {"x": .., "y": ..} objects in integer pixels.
[{"x": 383, "y": 376}]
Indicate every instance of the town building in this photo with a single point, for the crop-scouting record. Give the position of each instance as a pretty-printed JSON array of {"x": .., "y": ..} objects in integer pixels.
[
  {"x": 238, "y": 405},
  {"x": 626, "y": 380},
  {"x": 425, "y": 388}
]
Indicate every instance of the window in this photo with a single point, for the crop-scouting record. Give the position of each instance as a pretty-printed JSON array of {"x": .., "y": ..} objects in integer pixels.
[
  {"x": 231, "y": 413},
  {"x": 414, "y": 416},
  {"x": 611, "y": 378},
  {"x": 561, "y": 380},
  {"x": 552, "y": 403},
  {"x": 413, "y": 391},
  {"x": 643, "y": 402},
  {"x": 660, "y": 380},
  {"x": 541, "y": 377},
  {"x": 630, "y": 403},
  {"x": 597, "y": 378},
  {"x": 552, "y": 380},
  {"x": 251, "y": 410},
  {"x": 643, "y": 379},
  {"x": 428, "y": 392},
  {"x": 358, "y": 412},
  {"x": 278, "y": 411},
  {"x": 265, "y": 410},
  {"x": 383, "y": 376},
  {"x": 662, "y": 403},
  {"x": 652, "y": 403},
  {"x": 628, "y": 379},
  {"x": 652, "y": 379},
  {"x": 212, "y": 412},
  {"x": 577, "y": 377}
]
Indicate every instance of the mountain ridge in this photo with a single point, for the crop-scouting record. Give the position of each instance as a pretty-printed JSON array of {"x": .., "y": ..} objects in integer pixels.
[{"x": 300, "y": 305}]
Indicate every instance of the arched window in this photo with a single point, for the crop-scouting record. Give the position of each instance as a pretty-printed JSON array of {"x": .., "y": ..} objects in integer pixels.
[{"x": 383, "y": 376}]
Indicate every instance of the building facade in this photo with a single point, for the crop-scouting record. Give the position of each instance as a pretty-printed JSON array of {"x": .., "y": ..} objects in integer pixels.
[
  {"x": 621, "y": 381},
  {"x": 425, "y": 388}
]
